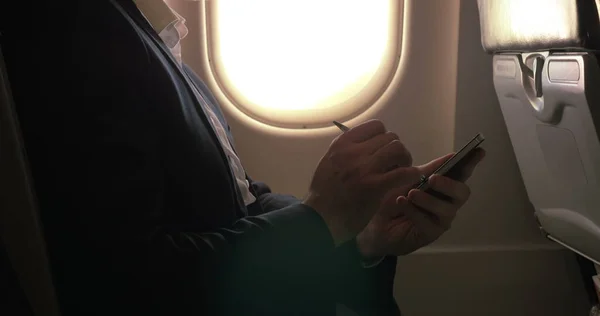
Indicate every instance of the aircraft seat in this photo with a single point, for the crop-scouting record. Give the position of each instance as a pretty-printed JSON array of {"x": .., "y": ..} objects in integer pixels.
[{"x": 547, "y": 79}]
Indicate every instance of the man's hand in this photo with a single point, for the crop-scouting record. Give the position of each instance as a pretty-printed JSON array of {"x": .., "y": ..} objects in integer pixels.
[
  {"x": 410, "y": 219},
  {"x": 350, "y": 181}
]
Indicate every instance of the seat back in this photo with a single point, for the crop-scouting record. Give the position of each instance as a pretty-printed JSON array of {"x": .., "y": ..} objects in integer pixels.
[
  {"x": 547, "y": 79},
  {"x": 20, "y": 228}
]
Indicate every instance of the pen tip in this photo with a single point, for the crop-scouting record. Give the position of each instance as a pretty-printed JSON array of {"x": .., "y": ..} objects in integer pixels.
[{"x": 341, "y": 126}]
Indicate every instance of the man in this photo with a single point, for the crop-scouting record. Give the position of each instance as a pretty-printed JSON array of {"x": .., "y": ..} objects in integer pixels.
[{"x": 147, "y": 209}]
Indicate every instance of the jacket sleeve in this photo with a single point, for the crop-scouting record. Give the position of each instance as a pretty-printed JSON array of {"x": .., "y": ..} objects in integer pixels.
[{"x": 367, "y": 291}]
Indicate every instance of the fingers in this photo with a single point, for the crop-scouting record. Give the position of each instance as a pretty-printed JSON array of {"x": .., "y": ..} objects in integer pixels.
[
  {"x": 442, "y": 212},
  {"x": 391, "y": 155},
  {"x": 390, "y": 197},
  {"x": 458, "y": 191},
  {"x": 432, "y": 166},
  {"x": 381, "y": 148},
  {"x": 365, "y": 131},
  {"x": 399, "y": 177},
  {"x": 425, "y": 224},
  {"x": 430, "y": 215},
  {"x": 372, "y": 145}
]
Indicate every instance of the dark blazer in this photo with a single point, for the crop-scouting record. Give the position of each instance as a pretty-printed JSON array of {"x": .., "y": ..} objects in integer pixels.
[{"x": 140, "y": 209}]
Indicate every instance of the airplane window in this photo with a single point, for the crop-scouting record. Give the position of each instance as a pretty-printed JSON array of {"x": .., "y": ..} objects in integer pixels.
[{"x": 303, "y": 62}]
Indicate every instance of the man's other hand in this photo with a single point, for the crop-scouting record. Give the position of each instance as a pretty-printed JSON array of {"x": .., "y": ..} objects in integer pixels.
[{"x": 409, "y": 219}]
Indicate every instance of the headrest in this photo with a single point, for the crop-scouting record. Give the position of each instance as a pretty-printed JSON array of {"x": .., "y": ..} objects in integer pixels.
[{"x": 538, "y": 25}]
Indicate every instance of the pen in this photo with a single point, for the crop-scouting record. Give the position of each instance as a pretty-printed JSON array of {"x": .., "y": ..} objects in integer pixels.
[{"x": 341, "y": 126}]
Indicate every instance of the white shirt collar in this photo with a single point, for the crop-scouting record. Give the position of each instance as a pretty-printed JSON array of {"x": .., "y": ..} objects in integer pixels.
[{"x": 169, "y": 25}]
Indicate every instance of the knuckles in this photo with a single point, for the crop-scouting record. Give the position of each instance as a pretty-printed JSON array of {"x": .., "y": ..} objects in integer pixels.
[
  {"x": 392, "y": 136},
  {"x": 352, "y": 160},
  {"x": 400, "y": 151},
  {"x": 375, "y": 125}
]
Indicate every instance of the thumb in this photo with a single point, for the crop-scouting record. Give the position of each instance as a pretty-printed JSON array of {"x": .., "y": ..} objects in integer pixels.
[{"x": 430, "y": 167}]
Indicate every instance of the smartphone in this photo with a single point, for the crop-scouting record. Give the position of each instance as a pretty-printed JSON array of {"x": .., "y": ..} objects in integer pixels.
[{"x": 452, "y": 168}]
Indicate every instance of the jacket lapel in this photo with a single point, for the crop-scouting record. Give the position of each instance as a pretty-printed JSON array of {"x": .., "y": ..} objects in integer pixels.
[{"x": 132, "y": 11}]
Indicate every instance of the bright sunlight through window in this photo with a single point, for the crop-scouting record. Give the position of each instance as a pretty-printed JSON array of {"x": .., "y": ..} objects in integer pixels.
[{"x": 285, "y": 57}]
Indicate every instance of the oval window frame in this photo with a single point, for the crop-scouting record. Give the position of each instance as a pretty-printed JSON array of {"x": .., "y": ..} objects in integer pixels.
[{"x": 309, "y": 118}]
